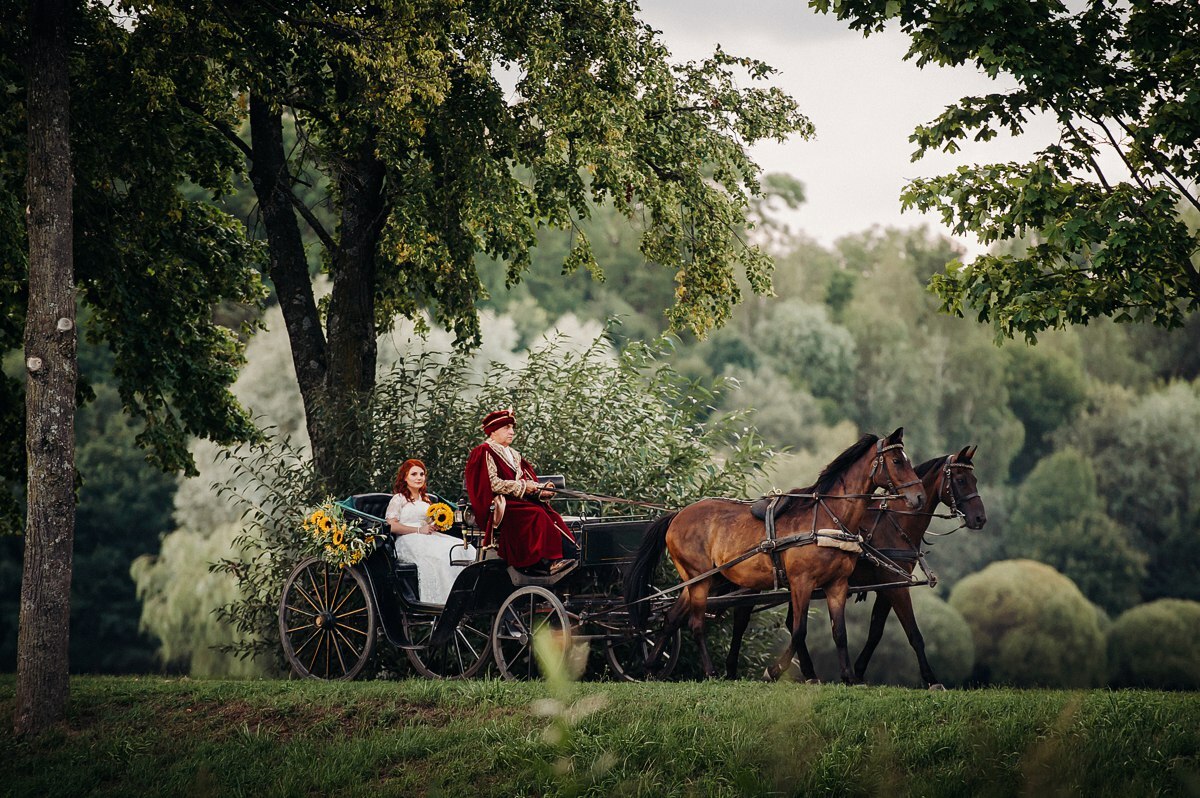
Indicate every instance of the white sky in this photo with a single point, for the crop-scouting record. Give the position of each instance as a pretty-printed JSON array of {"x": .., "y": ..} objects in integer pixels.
[{"x": 862, "y": 97}]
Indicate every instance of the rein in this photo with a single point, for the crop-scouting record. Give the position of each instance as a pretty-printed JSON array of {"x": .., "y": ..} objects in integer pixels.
[{"x": 595, "y": 497}]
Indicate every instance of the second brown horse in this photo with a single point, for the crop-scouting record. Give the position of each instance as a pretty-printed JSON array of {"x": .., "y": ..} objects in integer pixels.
[{"x": 714, "y": 533}]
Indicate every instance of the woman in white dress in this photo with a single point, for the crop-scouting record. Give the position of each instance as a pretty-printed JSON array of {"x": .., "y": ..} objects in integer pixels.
[{"x": 416, "y": 539}]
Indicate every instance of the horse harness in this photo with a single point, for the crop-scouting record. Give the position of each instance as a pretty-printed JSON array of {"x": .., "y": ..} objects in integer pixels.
[
  {"x": 915, "y": 554},
  {"x": 844, "y": 538}
]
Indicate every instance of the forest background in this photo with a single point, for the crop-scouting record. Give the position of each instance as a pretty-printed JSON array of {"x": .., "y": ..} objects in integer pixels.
[{"x": 1088, "y": 441}]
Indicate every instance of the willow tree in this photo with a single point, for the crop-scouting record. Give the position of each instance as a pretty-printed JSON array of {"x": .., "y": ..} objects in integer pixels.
[{"x": 451, "y": 130}]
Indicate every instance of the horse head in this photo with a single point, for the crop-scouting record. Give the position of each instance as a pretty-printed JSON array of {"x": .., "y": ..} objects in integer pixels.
[
  {"x": 959, "y": 490},
  {"x": 893, "y": 471}
]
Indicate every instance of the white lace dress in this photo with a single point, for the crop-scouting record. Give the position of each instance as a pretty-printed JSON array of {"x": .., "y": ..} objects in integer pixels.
[{"x": 431, "y": 553}]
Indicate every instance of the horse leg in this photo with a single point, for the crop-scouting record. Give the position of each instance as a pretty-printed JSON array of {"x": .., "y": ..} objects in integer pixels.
[
  {"x": 675, "y": 618},
  {"x": 902, "y": 605},
  {"x": 835, "y": 599},
  {"x": 798, "y": 617},
  {"x": 741, "y": 619},
  {"x": 697, "y": 596},
  {"x": 879, "y": 616}
]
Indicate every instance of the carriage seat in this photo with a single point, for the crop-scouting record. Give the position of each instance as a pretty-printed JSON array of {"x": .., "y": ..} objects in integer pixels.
[{"x": 372, "y": 504}]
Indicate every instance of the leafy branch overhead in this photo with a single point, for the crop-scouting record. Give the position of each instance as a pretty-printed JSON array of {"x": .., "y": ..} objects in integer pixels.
[{"x": 1105, "y": 204}]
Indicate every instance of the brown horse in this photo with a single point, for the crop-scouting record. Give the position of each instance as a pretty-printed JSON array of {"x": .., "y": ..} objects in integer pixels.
[
  {"x": 716, "y": 534},
  {"x": 897, "y": 534}
]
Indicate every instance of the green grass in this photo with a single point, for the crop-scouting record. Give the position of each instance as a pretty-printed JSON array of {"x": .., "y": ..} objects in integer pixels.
[{"x": 154, "y": 736}]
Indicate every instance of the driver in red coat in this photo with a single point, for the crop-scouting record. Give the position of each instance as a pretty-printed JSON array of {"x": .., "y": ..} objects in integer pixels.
[{"x": 531, "y": 533}]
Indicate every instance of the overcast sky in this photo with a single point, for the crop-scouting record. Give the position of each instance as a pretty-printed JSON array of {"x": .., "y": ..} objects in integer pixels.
[{"x": 862, "y": 97}]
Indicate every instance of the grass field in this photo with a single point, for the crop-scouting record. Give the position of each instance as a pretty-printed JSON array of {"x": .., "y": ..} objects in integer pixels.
[{"x": 154, "y": 736}]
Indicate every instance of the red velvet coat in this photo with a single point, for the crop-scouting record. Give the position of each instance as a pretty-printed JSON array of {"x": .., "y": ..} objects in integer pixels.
[{"x": 530, "y": 530}]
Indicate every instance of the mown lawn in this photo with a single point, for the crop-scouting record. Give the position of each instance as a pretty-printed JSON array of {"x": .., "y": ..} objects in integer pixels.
[{"x": 156, "y": 736}]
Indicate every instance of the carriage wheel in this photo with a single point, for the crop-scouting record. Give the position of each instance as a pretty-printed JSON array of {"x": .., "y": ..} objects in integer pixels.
[
  {"x": 528, "y": 612},
  {"x": 627, "y": 654},
  {"x": 327, "y": 622},
  {"x": 462, "y": 657}
]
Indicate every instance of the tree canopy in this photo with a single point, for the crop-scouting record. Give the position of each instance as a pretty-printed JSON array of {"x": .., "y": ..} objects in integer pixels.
[
  {"x": 451, "y": 130},
  {"x": 1117, "y": 78}
]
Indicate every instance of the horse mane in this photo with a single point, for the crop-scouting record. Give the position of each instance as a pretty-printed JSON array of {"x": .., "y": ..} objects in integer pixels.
[
  {"x": 832, "y": 472},
  {"x": 929, "y": 465}
]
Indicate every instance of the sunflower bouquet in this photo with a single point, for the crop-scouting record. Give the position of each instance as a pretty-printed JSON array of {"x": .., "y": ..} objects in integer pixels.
[
  {"x": 440, "y": 516},
  {"x": 335, "y": 538}
]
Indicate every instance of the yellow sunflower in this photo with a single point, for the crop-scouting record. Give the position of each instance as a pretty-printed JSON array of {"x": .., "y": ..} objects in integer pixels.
[
  {"x": 441, "y": 516},
  {"x": 338, "y": 537}
]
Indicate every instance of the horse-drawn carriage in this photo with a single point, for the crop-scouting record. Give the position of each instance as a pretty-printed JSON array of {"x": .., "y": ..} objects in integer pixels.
[{"x": 331, "y": 618}]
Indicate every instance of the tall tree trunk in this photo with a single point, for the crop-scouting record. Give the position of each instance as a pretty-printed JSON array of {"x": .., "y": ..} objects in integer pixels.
[
  {"x": 335, "y": 373},
  {"x": 352, "y": 345},
  {"x": 288, "y": 265},
  {"x": 51, "y": 366}
]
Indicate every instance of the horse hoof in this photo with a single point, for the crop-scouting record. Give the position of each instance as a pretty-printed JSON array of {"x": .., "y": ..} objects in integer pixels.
[
  {"x": 812, "y": 681},
  {"x": 766, "y": 675},
  {"x": 937, "y": 688}
]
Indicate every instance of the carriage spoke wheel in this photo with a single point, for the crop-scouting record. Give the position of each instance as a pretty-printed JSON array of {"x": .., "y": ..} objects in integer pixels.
[
  {"x": 327, "y": 622},
  {"x": 626, "y": 655},
  {"x": 530, "y": 613},
  {"x": 462, "y": 657}
]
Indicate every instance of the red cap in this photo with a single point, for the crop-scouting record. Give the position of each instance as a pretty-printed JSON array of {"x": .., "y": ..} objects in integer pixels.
[{"x": 497, "y": 419}]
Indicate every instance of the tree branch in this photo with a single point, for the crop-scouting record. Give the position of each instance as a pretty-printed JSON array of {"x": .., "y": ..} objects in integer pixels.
[
  {"x": 1153, "y": 157},
  {"x": 285, "y": 179}
]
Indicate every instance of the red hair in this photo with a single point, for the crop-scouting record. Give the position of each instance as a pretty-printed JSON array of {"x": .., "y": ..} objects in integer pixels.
[{"x": 401, "y": 484}]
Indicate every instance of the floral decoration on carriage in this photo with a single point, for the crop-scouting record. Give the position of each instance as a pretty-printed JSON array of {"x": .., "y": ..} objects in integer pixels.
[{"x": 334, "y": 537}]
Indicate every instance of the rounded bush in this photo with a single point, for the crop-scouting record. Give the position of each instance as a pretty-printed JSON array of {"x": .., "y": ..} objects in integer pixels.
[
  {"x": 1032, "y": 627},
  {"x": 1156, "y": 645},
  {"x": 948, "y": 644}
]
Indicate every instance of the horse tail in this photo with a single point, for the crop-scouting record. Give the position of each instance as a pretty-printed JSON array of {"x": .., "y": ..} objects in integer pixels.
[{"x": 637, "y": 579}]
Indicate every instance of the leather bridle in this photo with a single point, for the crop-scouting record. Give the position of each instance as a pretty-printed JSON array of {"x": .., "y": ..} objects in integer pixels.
[{"x": 880, "y": 464}]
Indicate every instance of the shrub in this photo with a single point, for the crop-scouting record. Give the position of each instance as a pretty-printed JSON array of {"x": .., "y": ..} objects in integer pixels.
[
  {"x": 1156, "y": 645},
  {"x": 948, "y": 643},
  {"x": 1031, "y": 626}
]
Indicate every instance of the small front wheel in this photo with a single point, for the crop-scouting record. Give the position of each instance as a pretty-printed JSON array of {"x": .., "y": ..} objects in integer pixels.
[
  {"x": 327, "y": 620},
  {"x": 627, "y": 655},
  {"x": 531, "y": 613},
  {"x": 463, "y": 656}
]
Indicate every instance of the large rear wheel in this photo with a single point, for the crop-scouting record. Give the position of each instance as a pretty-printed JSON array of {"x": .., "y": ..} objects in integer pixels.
[{"x": 327, "y": 621}]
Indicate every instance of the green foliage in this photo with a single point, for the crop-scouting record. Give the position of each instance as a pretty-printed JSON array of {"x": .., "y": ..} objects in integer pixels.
[
  {"x": 948, "y": 643},
  {"x": 1031, "y": 625},
  {"x": 1147, "y": 459},
  {"x": 1046, "y": 390},
  {"x": 802, "y": 342},
  {"x": 1155, "y": 645},
  {"x": 150, "y": 262},
  {"x": 625, "y": 426},
  {"x": 1116, "y": 78},
  {"x": 1059, "y": 488},
  {"x": 1059, "y": 519}
]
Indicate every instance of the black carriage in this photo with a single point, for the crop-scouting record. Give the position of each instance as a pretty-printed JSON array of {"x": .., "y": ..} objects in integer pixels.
[{"x": 331, "y": 619}]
